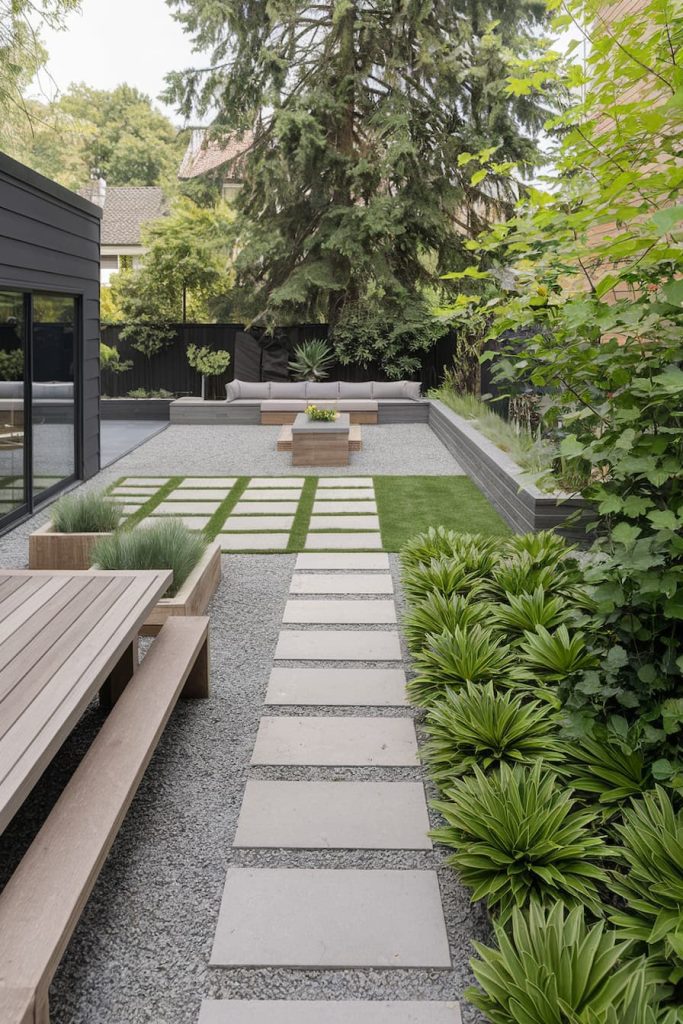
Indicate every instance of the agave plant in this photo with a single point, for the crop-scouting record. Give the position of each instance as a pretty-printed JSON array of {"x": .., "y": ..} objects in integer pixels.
[
  {"x": 466, "y": 655},
  {"x": 438, "y": 614},
  {"x": 312, "y": 360},
  {"x": 556, "y": 655},
  {"x": 601, "y": 768},
  {"x": 517, "y": 836},
  {"x": 652, "y": 884},
  {"x": 442, "y": 576},
  {"x": 527, "y": 610},
  {"x": 480, "y": 726},
  {"x": 552, "y": 967},
  {"x": 545, "y": 547}
]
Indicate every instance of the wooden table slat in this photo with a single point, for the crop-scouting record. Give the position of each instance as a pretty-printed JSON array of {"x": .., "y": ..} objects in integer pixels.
[
  {"x": 60, "y": 644},
  {"x": 24, "y": 603}
]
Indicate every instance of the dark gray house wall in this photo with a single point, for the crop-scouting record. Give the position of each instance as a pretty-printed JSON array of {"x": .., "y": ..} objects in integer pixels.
[{"x": 50, "y": 241}]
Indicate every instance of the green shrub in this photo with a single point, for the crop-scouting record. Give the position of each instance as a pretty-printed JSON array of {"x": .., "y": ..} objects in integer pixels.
[
  {"x": 443, "y": 576},
  {"x": 480, "y": 726},
  {"x": 520, "y": 574},
  {"x": 551, "y": 967},
  {"x": 517, "y": 835},
  {"x": 652, "y": 883},
  {"x": 89, "y": 512},
  {"x": 544, "y": 548},
  {"x": 472, "y": 549},
  {"x": 528, "y": 610},
  {"x": 603, "y": 769},
  {"x": 557, "y": 655},
  {"x": 469, "y": 655},
  {"x": 165, "y": 545},
  {"x": 438, "y": 614}
]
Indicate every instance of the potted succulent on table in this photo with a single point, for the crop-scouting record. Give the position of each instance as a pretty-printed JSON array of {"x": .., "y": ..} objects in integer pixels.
[
  {"x": 78, "y": 522},
  {"x": 166, "y": 544}
]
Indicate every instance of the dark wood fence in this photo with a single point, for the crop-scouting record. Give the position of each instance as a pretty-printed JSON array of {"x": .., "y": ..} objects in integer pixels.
[{"x": 251, "y": 358}]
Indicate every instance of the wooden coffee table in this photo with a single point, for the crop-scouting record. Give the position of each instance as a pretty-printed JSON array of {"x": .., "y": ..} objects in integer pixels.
[{"x": 320, "y": 443}]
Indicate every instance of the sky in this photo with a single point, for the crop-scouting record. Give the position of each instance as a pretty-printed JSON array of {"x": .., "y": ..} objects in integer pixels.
[{"x": 113, "y": 41}]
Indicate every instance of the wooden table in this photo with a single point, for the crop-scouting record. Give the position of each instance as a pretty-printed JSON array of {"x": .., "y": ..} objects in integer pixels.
[
  {"x": 64, "y": 637},
  {"x": 321, "y": 442}
]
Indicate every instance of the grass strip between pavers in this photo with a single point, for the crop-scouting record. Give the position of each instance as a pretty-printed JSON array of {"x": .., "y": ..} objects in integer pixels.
[
  {"x": 213, "y": 527},
  {"x": 302, "y": 516},
  {"x": 152, "y": 501}
]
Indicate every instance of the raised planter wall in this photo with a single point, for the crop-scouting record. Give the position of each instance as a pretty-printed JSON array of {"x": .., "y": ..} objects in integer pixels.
[
  {"x": 135, "y": 408},
  {"x": 48, "y": 549},
  {"x": 515, "y": 497},
  {"x": 194, "y": 595},
  {"x": 194, "y": 411}
]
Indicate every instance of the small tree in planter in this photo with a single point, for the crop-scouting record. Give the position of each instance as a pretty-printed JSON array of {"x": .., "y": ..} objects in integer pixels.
[{"x": 208, "y": 362}]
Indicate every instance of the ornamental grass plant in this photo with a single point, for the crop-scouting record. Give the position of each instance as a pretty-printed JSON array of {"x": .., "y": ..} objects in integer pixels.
[
  {"x": 167, "y": 544},
  {"x": 88, "y": 512}
]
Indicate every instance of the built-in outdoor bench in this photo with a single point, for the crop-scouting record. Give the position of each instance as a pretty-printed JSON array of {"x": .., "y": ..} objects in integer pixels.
[{"x": 41, "y": 904}]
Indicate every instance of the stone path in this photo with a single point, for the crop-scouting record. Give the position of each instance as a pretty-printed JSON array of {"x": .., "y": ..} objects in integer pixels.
[
  {"x": 344, "y": 515},
  {"x": 317, "y": 918}
]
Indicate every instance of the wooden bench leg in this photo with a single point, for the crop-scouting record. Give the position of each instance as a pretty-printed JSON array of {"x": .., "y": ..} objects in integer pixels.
[
  {"x": 197, "y": 683},
  {"x": 119, "y": 677}
]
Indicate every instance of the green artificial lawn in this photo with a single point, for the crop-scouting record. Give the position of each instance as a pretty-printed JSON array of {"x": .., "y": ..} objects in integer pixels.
[{"x": 410, "y": 504}]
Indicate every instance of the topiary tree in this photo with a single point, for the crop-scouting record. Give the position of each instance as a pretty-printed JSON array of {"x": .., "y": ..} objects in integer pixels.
[{"x": 208, "y": 362}]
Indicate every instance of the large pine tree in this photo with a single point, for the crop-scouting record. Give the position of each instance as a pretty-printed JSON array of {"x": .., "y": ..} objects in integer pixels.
[{"x": 355, "y": 196}]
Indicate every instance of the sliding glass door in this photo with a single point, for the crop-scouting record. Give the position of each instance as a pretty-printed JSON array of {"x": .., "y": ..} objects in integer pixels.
[{"x": 13, "y": 484}]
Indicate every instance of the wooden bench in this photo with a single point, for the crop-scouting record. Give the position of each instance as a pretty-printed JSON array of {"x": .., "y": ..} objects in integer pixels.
[
  {"x": 42, "y": 902},
  {"x": 284, "y": 440}
]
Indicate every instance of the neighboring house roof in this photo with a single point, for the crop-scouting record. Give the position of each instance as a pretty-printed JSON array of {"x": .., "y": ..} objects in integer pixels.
[
  {"x": 125, "y": 210},
  {"x": 205, "y": 154}
]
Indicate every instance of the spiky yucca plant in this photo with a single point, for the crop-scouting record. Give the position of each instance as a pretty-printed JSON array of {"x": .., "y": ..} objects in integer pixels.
[
  {"x": 480, "y": 726},
  {"x": 652, "y": 882},
  {"x": 437, "y": 614},
  {"x": 444, "y": 576},
  {"x": 465, "y": 655},
  {"x": 517, "y": 835},
  {"x": 528, "y": 610},
  {"x": 552, "y": 967},
  {"x": 556, "y": 655},
  {"x": 599, "y": 768}
]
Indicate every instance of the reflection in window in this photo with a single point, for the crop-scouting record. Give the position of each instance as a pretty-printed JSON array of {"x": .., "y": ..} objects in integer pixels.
[
  {"x": 12, "y": 331},
  {"x": 54, "y": 354}
]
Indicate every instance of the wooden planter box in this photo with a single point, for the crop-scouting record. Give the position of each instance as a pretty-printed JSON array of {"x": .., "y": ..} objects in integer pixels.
[
  {"x": 48, "y": 549},
  {"x": 512, "y": 493},
  {"x": 194, "y": 595}
]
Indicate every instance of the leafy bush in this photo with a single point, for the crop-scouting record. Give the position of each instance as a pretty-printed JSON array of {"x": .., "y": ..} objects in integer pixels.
[
  {"x": 521, "y": 573},
  {"x": 110, "y": 359},
  {"x": 557, "y": 655},
  {"x": 164, "y": 545},
  {"x": 444, "y": 576},
  {"x": 527, "y": 611},
  {"x": 603, "y": 769},
  {"x": 312, "y": 360},
  {"x": 480, "y": 726},
  {"x": 438, "y": 614},
  {"x": 12, "y": 364},
  {"x": 473, "y": 550},
  {"x": 652, "y": 883},
  {"x": 89, "y": 512},
  {"x": 551, "y": 967},
  {"x": 468, "y": 655},
  {"x": 517, "y": 835},
  {"x": 544, "y": 548}
]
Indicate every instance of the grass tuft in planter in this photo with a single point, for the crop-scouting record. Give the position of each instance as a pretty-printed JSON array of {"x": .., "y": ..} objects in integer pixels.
[
  {"x": 165, "y": 545},
  {"x": 92, "y": 512}
]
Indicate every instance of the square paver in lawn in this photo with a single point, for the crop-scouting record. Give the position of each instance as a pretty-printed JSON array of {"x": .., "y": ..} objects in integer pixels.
[
  {"x": 338, "y": 645},
  {"x": 151, "y": 481},
  {"x": 342, "y": 507},
  {"x": 308, "y": 917},
  {"x": 335, "y": 741},
  {"x": 350, "y": 687},
  {"x": 338, "y": 1011},
  {"x": 329, "y": 815},
  {"x": 332, "y": 522},
  {"x": 340, "y": 494},
  {"x": 221, "y": 482},
  {"x": 357, "y": 612},
  {"x": 189, "y": 508},
  {"x": 275, "y": 481},
  {"x": 199, "y": 494},
  {"x": 341, "y": 583},
  {"x": 259, "y": 508},
  {"x": 270, "y": 494},
  {"x": 254, "y": 541},
  {"x": 344, "y": 481},
  {"x": 253, "y": 524},
  {"x": 343, "y": 541}
]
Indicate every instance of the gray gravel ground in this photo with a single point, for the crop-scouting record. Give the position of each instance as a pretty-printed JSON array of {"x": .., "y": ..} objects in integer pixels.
[{"x": 141, "y": 950}]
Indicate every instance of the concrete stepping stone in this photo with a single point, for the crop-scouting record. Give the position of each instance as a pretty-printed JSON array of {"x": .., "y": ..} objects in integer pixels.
[
  {"x": 129, "y": 510},
  {"x": 334, "y": 815},
  {"x": 356, "y": 613},
  {"x": 250, "y": 508},
  {"x": 332, "y": 522},
  {"x": 220, "y": 482},
  {"x": 125, "y": 499},
  {"x": 352, "y": 687},
  {"x": 132, "y": 490},
  {"x": 275, "y": 481},
  {"x": 345, "y": 481},
  {"x": 191, "y": 522},
  {"x": 205, "y": 494},
  {"x": 341, "y": 583},
  {"x": 307, "y": 917},
  {"x": 346, "y": 562},
  {"x": 254, "y": 524},
  {"x": 272, "y": 495},
  {"x": 334, "y": 508},
  {"x": 343, "y": 541},
  {"x": 254, "y": 541},
  {"x": 338, "y": 645},
  {"x": 329, "y": 741},
  {"x": 151, "y": 481},
  {"x": 344, "y": 494},
  {"x": 186, "y": 508},
  {"x": 318, "y": 1011}
]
